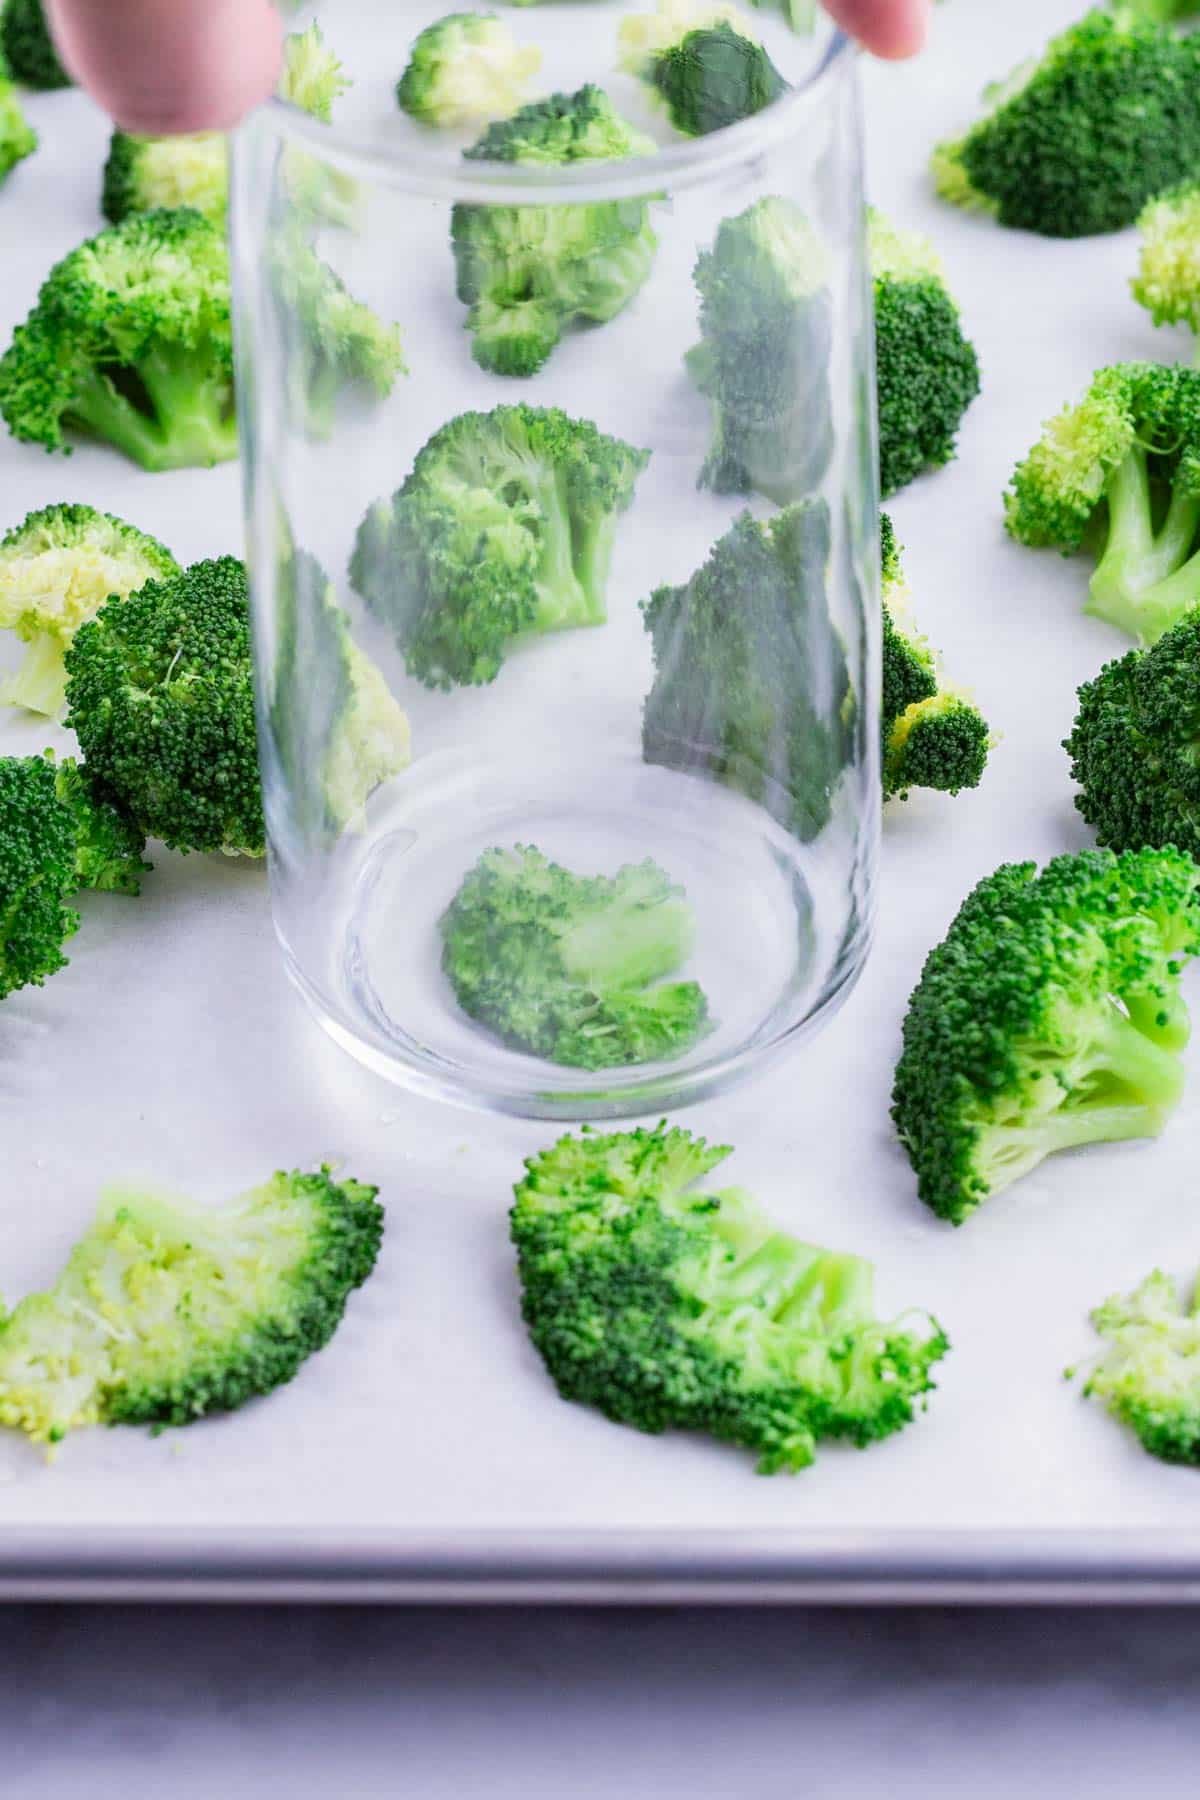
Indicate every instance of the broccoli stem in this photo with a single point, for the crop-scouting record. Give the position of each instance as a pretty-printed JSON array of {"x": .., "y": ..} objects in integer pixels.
[
  {"x": 194, "y": 425},
  {"x": 1145, "y": 580},
  {"x": 40, "y": 684}
]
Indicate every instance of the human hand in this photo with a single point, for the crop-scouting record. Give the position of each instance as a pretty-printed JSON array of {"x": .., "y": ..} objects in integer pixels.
[{"x": 891, "y": 28}]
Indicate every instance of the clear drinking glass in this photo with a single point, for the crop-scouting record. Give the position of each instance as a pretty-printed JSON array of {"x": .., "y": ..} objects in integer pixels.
[{"x": 726, "y": 735}]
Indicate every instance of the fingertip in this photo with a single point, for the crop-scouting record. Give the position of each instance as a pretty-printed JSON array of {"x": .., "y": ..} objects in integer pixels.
[{"x": 891, "y": 29}]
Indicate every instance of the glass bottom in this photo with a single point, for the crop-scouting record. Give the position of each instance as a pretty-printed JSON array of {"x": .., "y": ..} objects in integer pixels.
[{"x": 779, "y": 938}]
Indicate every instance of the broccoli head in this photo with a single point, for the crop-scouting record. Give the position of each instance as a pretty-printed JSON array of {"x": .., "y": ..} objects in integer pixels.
[
  {"x": 672, "y": 1309},
  {"x": 1149, "y": 1376},
  {"x": 464, "y": 70},
  {"x": 130, "y": 341},
  {"x": 1162, "y": 12},
  {"x": 932, "y": 736},
  {"x": 504, "y": 529},
  {"x": 1167, "y": 283},
  {"x": 57, "y": 568},
  {"x": 712, "y": 76},
  {"x": 143, "y": 174},
  {"x": 1050, "y": 1016},
  {"x": 569, "y": 967},
  {"x": 1120, "y": 473},
  {"x": 167, "y": 1311},
  {"x": 763, "y": 355},
  {"x": 159, "y": 695},
  {"x": 528, "y": 273},
  {"x": 28, "y": 48},
  {"x": 751, "y": 687},
  {"x": 1133, "y": 746},
  {"x": 333, "y": 340},
  {"x": 18, "y": 139},
  {"x": 927, "y": 372},
  {"x": 312, "y": 77},
  {"x": 1077, "y": 142}
]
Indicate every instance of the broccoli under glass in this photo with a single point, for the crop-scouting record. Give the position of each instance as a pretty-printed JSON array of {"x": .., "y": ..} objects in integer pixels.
[{"x": 553, "y": 349}]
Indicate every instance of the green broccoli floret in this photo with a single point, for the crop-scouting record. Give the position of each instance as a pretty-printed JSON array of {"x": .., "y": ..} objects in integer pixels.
[
  {"x": 130, "y": 341},
  {"x": 159, "y": 695},
  {"x": 312, "y": 77},
  {"x": 28, "y": 48},
  {"x": 57, "y": 568},
  {"x": 166, "y": 1311},
  {"x": 18, "y": 139},
  {"x": 336, "y": 728},
  {"x": 143, "y": 174},
  {"x": 1078, "y": 141},
  {"x": 1167, "y": 283},
  {"x": 1120, "y": 473},
  {"x": 464, "y": 70},
  {"x": 764, "y": 352},
  {"x": 334, "y": 341},
  {"x": 504, "y": 529},
  {"x": 1133, "y": 746},
  {"x": 932, "y": 736},
  {"x": 1162, "y": 12},
  {"x": 1149, "y": 1377},
  {"x": 673, "y": 1309},
  {"x": 751, "y": 687},
  {"x": 570, "y": 967},
  {"x": 712, "y": 76},
  {"x": 528, "y": 273},
  {"x": 927, "y": 372},
  {"x": 1050, "y": 1016},
  {"x": 109, "y": 846}
]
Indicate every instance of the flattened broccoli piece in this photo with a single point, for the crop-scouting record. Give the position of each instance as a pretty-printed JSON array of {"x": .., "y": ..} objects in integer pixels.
[
  {"x": 143, "y": 174},
  {"x": 1121, "y": 472},
  {"x": 673, "y": 1309},
  {"x": 570, "y": 967},
  {"x": 159, "y": 695},
  {"x": 312, "y": 77},
  {"x": 503, "y": 529},
  {"x": 1078, "y": 141},
  {"x": 927, "y": 372},
  {"x": 334, "y": 341},
  {"x": 465, "y": 70},
  {"x": 763, "y": 355},
  {"x": 751, "y": 687},
  {"x": 28, "y": 48},
  {"x": 18, "y": 139},
  {"x": 1167, "y": 283},
  {"x": 57, "y": 568},
  {"x": 528, "y": 273},
  {"x": 1050, "y": 1016},
  {"x": 709, "y": 75},
  {"x": 1149, "y": 1377},
  {"x": 168, "y": 1311}
]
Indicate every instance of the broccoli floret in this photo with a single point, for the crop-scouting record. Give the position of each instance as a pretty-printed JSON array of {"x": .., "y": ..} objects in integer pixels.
[
  {"x": 130, "y": 340},
  {"x": 711, "y": 76},
  {"x": 932, "y": 736},
  {"x": 1050, "y": 1016},
  {"x": 336, "y": 727},
  {"x": 333, "y": 340},
  {"x": 143, "y": 174},
  {"x": 570, "y": 967},
  {"x": 1162, "y": 12},
  {"x": 1149, "y": 1377},
  {"x": 642, "y": 37},
  {"x": 57, "y": 568},
  {"x": 1120, "y": 472},
  {"x": 528, "y": 273},
  {"x": 1078, "y": 141},
  {"x": 673, "y": 1309},
  {"x": 159, "y": 695},
  {"x": 503, "y": 529},
  {"x": 312, "y": 77},
  {"x": 166, "y": 1311},
  {"x": 109, "y": 846},
  {"x": 464, "y": 70},
  {"x": 18, "y": 139},
  {"x": 1133, "y": 746},
  {"x": 751, "y": 687},
  {"x": 1167, "y": 283},
  {"x": 28, "y": 48},
  {"x": 927, "y": 372},
  {"x": 763, "y": 354}
]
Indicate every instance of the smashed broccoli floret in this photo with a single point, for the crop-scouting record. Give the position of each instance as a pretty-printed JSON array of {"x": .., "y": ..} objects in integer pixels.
[
  {"x": 465, "y": 70},
  {"x": 932, "y": 736},
  {"x": 1133, "y": 746},
  {"x": 312, "y": 76},
  {"x": 668, "y": 1308},
  {"x": 28, "y": 48},
  {"x": 1167, "y": 283},
  {"x": 18, "y": 139},
  {"x": 167, "y": 1311},
  {"x": 333, "y": 340},
  {"x": 570, "y": 967},
  {"x": 1077, "y": 141},
  {"x": 159, "y": 695},
  {"x": 130, "y": 341},
  {"x": 763, "y": 355},
  {"x": 528, "y": 273},
  {"x": 503, "y": 529},
  {"x": 751, "y": 687},
  {"x": 57, "y": 568},
  {"x": 1120, "y": 473},
  {"x": 709, "y": 76},
  {"x": 1050, "y": 1016},
  {"x": 336, "y": 727},
  {"x": 927, "y": 372},
  {"x": 143, "y": 174},
  {"x": 1149, "y": 1376}
]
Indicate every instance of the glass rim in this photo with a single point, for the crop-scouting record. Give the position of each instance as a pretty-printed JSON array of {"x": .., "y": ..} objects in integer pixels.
[{"x": 436, "y": 173}]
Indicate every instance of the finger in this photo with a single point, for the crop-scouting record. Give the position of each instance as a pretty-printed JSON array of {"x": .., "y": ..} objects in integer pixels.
[
  {"x": 891, "y": 28},
  {"x": 160, "y": 66}
]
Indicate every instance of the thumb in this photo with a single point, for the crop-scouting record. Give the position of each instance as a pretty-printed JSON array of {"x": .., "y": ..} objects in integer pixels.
[
  {"x": 891, "y": 28},
  {"x": 160, "y": 66}
]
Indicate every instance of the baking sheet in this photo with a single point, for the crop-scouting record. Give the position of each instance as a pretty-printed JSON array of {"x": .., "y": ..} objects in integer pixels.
[{"x": 425, "y": 1450}]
